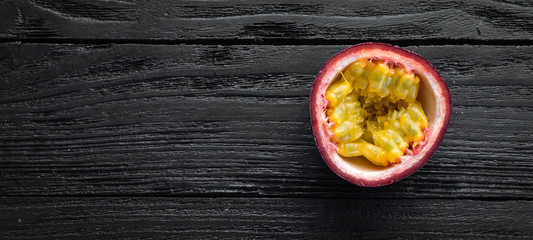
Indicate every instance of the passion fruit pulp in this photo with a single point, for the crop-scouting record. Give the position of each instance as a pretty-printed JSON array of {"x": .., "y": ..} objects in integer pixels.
[{"x": 378, "y": 113}]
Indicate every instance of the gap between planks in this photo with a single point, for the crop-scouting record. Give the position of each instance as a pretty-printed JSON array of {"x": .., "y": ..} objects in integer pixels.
[
  {"x": 273, "y": 41},
  {"x": 255, "y": 196}
]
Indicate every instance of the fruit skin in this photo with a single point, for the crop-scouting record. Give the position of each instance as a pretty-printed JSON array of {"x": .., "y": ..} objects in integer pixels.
[{"x": 410, "y": 163}]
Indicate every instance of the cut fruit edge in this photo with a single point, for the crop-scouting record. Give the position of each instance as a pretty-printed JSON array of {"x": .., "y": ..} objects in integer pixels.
[{"x": 409, "y": 163}]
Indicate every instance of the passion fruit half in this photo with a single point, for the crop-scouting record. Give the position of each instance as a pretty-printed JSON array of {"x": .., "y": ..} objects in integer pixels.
[{"x": 378, "y": 113}]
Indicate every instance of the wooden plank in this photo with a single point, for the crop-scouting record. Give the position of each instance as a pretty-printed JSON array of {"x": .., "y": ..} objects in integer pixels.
[
  {"x": 193, "y": 120},
  {"x": 222, "y": 218},
  {"x": 265, "y": 19}
]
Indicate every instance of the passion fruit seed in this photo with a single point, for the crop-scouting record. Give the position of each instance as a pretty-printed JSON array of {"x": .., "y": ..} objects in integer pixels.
[{"x": 374, "y": 111}]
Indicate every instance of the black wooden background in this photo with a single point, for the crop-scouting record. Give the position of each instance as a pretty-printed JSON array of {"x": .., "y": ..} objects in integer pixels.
[{"x": 189, "y": 119}]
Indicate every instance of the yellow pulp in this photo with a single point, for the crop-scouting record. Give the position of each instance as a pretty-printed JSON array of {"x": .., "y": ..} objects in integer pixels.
[{"x": 374, "y": 112}]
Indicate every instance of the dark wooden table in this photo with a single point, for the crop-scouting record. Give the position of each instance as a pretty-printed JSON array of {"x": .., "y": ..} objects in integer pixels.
[{"x": 189, "y": 119}]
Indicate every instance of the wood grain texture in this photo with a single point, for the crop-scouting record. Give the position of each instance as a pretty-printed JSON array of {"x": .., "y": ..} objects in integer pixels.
[
  {"x": 251, "y": 218},
  {"x": 194, "y": 120},
  {"x": 256, "y": 20}
]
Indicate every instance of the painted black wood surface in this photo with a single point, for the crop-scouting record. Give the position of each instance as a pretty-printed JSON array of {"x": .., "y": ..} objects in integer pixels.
[
  {"x": 265, "y": 19},
  {"x": 230, "y": 218},
  {"x": 169, "y": 119}
]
